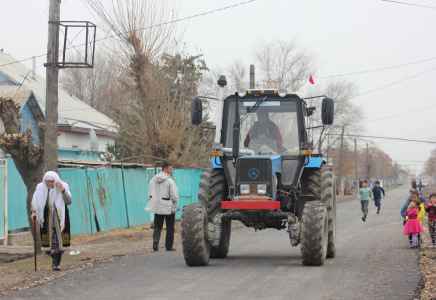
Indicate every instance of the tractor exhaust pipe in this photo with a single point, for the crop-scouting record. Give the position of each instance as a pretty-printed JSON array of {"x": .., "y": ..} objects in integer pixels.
[{"x": 236, "y": 131}]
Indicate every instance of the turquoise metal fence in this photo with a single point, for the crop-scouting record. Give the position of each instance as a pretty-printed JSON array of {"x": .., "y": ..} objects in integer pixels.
[
  {"x": 17, "y": 195},
  {"x": 136, "y": 187},
  {"x": 103, "y": 199},
  {"x": 81, "y": 213},
  {"x": 187, "y": 181},
  {"x": 2, "y": 199}
]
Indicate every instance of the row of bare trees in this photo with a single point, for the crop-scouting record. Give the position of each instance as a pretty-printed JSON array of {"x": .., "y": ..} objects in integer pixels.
[{"x": 146, "y": 81}]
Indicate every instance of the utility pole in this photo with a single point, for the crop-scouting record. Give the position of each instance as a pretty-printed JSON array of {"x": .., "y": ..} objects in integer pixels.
[
  {"x": 392, "y": 175},
  {"x": 328, "y": 146},
  {"x": 252, "y": 81},
  {"x": 380, "y": 166},
  {"x": 341, "y": 188},
  {"x": 366, "y": 164},
  {"x": 355, "y": 164},
  {"x": 386, "y": 171},
  {"x": 396, "y": 181},
  {"x": 51, "y": 100}
]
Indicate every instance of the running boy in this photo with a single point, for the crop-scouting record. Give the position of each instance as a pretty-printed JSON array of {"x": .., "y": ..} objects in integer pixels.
[
  {"x": 377, "y": 192},
  {"x": 364, "y": 195}
]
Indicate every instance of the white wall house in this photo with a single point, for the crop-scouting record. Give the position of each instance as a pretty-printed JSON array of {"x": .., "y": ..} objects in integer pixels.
[{"x": 75, "y": 119}]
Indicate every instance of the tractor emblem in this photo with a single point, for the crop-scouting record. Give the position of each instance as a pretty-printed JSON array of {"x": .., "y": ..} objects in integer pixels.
[{"x": 253, "y": 173}]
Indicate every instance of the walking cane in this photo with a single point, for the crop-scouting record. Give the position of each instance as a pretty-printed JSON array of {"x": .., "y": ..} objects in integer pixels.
[{"x": 34, "y": 238}]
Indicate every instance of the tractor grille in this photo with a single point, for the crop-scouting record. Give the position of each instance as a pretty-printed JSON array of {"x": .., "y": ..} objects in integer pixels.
[{"x": 247, "y": 169}]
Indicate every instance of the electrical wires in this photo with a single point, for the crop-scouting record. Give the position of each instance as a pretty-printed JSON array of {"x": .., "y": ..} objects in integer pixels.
[
  {"x": 161, "y": 24},
  {"x": 397, "y": 2}
]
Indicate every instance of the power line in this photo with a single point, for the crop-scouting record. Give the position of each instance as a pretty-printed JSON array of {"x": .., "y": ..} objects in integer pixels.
[
  {"x": 382, "y": 137},
  {"x": 397, "y": 2},
  {"x": 152, "y": 26},
  {"x": 375, "y": 70},
  {"x": 374, "y": 120},
  {"x": 392, "y": 83}
]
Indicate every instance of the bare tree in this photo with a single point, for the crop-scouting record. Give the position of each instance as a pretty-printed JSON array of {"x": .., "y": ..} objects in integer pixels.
[
  {"x": 347, "y": 113},
  {"x": 237, "y": 75},
  {"x": 160, "y": 80},
  {"x": 285, "y": 64},
  {"x": 100, "y": 87},
  {"x": 28, "y": 157}
]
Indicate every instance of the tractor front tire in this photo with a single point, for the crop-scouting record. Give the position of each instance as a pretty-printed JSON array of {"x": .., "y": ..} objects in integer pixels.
[
  {"x": 314, "y": 233},
  {"x": 322, "y": 185},
  {"x": 196, "y": 248},
  {"x": 213, "y": 190}
]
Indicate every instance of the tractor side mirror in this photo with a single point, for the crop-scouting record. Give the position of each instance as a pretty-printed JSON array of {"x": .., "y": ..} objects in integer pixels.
[
  {"x": 196, "y": 111},
  {"x": 328, "y": 110}
]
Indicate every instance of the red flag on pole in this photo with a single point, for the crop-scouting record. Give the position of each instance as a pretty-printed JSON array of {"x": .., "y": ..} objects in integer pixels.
[{"x": 311, "y": 79}]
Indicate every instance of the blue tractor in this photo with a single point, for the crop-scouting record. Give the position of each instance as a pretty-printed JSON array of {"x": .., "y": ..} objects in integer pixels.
[{"x": 264, "y": 175}]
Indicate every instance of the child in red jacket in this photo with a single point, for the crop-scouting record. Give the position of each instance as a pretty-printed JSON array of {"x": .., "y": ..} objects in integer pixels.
[
  {"x": 431, "y": 209},
  {"x": 412, "y": 225}
]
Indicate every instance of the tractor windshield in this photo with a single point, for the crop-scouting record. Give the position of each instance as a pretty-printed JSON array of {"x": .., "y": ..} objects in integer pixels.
[{"x": 271, "y": 129}]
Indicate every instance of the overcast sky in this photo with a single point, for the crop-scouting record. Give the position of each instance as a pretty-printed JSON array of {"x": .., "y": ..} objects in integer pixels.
[{"x": 348, "y": 36}]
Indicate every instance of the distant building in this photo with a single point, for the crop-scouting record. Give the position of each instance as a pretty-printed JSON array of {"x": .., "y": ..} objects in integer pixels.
[{"x": 75, "y": 118}]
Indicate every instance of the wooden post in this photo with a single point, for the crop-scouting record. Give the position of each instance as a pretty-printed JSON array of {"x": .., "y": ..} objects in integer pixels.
[
  {"x": 125, "y": 197},
  {"x": 51, "y": 100},
  {"x": 252, "y": 81},
  {"x": 366, "y": 164},
  {"x": 341, "y": 186}
]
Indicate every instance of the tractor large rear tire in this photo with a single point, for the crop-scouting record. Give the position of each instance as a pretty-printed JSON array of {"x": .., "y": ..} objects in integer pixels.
[
  {"x": 314, "y": 233},
  {"x": 213, "y": 190},
  {"x": 321, "y": 184},
  {"x": 196, "y": 249}
]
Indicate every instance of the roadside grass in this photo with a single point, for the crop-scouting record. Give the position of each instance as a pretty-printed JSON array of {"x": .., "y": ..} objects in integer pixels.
[{"x": 41, "y": 262}]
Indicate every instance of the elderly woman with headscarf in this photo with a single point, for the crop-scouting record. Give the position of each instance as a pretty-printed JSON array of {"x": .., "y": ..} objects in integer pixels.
[{"x": 49, "y": 206}]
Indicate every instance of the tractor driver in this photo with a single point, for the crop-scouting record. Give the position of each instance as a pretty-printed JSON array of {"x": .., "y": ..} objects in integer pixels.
[{"x": 264, "y": 128}]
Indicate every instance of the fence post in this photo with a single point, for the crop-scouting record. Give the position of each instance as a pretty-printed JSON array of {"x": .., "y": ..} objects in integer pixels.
[
  {"x": 124, "y": 191},
  {"x": 89, "y": 201}
]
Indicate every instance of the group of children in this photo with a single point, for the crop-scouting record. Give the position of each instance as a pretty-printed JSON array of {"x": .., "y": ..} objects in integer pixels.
[
  {"x": 365, "y": 193},
  {"x": 413, "y": 211}
]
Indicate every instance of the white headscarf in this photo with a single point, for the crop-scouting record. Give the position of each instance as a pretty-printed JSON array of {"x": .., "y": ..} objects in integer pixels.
[{"x": 55, "y": 198}]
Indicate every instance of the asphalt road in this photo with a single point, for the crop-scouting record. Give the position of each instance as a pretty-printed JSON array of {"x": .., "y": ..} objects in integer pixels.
[{"x": 373, "y": 262}]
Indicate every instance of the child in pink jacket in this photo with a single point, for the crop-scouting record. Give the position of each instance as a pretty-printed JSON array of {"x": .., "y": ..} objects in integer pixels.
[{"x": 412, "y": 225}]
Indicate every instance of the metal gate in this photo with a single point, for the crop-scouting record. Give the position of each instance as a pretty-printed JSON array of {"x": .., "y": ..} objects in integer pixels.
[{"x": 3, "y": 199}]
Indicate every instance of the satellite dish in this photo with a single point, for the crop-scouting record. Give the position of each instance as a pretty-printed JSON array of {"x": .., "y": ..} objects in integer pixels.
[{"x": 94, "y": 141}]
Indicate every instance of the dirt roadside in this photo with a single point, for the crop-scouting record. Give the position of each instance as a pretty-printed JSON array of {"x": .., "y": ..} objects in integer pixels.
[
  {"x": 95, "y": 250},
  {"x": 427, "y": 258}
]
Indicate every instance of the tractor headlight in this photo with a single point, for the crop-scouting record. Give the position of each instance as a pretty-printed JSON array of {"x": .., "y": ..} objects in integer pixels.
[
  {"x": 242, "y": 92},
  {"x": 244, "y": 189},
  {"x": 261, "y": 189},
  {"x": 283, "y": 93}
]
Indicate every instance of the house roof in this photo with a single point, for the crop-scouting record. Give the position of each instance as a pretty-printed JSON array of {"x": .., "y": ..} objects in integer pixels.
[
  {"x": 20, "y": 97},
  {"x": 72, "y": 111}
]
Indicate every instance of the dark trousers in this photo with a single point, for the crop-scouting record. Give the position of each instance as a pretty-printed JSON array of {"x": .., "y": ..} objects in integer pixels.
[
  {"x": 364, "y": 204},
  {"x": 432, "y": 229},
  {"x": 158, "y": 224},
  {"x": 377, "y": 202}
]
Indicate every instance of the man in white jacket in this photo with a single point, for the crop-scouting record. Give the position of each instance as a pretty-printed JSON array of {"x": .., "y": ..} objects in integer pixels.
[{"x": 163, "y": 201}]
